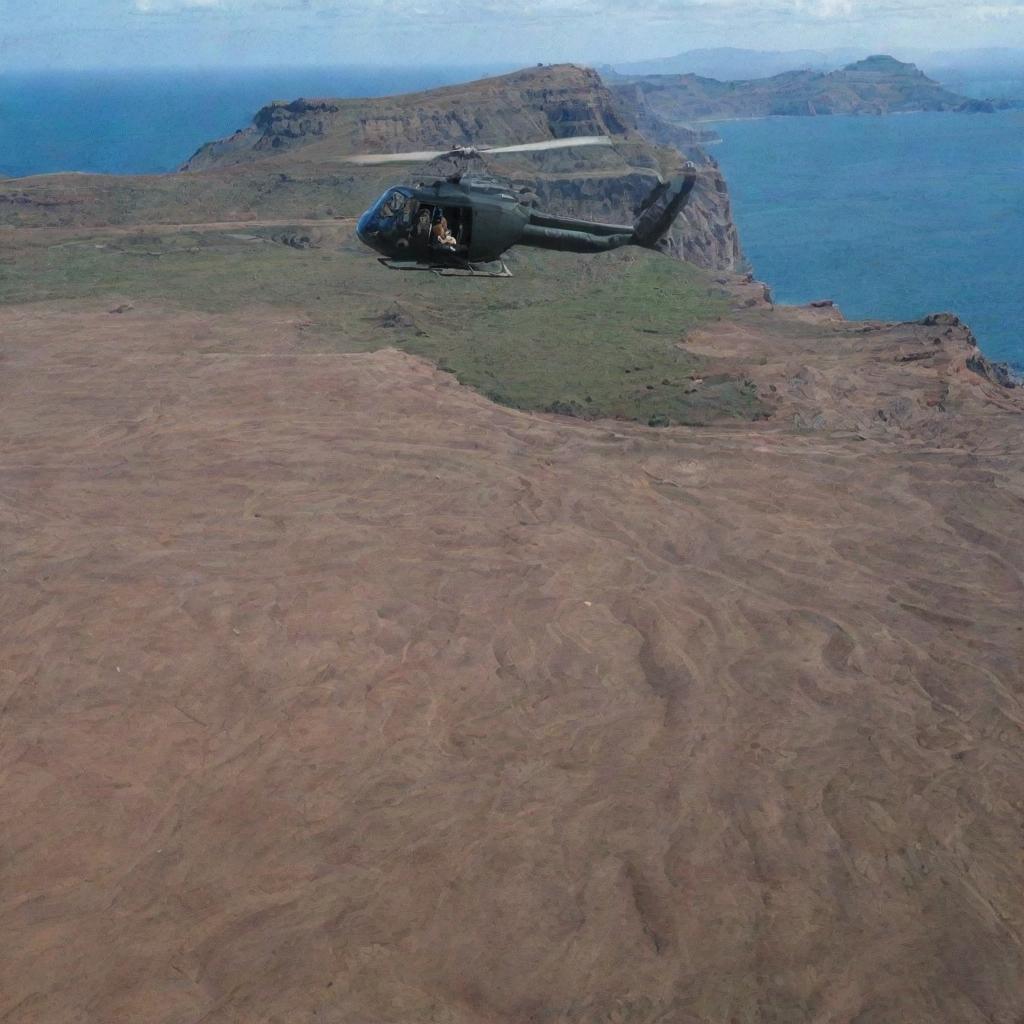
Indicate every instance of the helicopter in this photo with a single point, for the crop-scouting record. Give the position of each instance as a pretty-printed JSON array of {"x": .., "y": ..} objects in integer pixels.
[{"x": 485, "y": 216}]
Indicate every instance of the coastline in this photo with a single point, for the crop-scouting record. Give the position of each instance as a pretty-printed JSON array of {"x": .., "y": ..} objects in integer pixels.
[{"x": 892, "y": 219}]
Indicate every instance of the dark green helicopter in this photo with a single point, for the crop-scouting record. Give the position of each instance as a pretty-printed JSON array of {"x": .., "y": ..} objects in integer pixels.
[{"x": 454, "y": 225}]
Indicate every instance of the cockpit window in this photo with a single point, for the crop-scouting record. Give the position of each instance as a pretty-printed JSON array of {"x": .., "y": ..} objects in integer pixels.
[
  {"x": 393, "y": 212},
  {"x": 388, "y": 225},
  {"x": 394, "y": 203}
]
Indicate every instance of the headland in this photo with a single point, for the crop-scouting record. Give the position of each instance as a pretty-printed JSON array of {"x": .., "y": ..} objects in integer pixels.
[{"x": 347, "y": 677}]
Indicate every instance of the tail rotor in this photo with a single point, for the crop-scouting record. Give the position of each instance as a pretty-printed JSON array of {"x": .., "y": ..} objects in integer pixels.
[{"x": 661, "y": 207}]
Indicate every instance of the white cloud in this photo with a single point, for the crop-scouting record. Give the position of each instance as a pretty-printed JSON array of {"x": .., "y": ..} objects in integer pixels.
[
  {"x": 476, "y": 32},
  {"x": 511, "y": 13},
  {"x": 826, "y": 8},
  {"x": 170, "y": 6},
  {"x": 994, "y": 12}
]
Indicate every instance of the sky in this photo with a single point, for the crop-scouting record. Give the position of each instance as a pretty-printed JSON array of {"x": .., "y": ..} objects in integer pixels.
[{"x": 252, "y": 33}]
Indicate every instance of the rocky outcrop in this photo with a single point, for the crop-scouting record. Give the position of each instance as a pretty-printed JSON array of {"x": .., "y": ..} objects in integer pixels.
[
  {"x": 705, "y": 233},
  {"x": 876, "y": 85},
  {"x": 950, "y": 325}
]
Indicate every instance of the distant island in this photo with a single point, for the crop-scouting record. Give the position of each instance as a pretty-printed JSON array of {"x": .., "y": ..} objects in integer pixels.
[
  {"x": 729, "y": 63},
  {"x": 878, "y": 84}
]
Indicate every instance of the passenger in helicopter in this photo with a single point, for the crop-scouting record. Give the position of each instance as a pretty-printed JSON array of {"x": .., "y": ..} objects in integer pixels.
[{"x": 441, "y": 235}]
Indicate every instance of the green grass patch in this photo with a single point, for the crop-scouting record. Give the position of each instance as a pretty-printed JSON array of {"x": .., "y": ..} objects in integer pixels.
[
  {"x": 583, "y": 336},
  {"x": 590, "y": 340}
]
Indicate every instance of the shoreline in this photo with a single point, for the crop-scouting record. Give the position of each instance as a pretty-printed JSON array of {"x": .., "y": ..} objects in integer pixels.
[
  {"x": 923, "y": 237},
  {"x": 849, "y": 114}
]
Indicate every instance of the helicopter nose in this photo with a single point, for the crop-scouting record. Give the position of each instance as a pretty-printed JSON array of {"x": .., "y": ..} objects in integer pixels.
[
  {"x": 363, "y": 228},
  {"x": 369, "y": 233}
]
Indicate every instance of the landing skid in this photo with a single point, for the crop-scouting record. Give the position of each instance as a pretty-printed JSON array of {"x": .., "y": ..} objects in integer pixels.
[
  {"x": 471, "y": 271},
  {"x": 443, "y": 270}
]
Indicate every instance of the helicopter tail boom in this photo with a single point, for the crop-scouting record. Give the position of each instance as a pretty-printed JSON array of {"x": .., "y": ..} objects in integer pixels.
[
  {"x": 656, "y": 215},
  {"x": 547, "y": 220},
  {"x": 574, "y": 239}
]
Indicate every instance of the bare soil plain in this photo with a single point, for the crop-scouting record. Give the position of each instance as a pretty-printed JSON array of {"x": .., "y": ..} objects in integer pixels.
[{"x": 333, "y": 691}]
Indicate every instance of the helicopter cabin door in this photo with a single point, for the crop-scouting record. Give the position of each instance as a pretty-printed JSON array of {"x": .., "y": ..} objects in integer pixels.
[{"x": 440, "y": 230}]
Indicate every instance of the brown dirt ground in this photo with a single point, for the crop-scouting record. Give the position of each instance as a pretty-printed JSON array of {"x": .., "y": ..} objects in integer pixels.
[{"x": 332, "y": 692}]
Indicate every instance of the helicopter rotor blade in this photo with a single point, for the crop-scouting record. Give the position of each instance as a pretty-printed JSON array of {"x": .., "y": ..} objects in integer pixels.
[
  {"x": 422, "y": 156},
  {"x": 536, "y": 147},
  {"x": 370, "y": 159}
]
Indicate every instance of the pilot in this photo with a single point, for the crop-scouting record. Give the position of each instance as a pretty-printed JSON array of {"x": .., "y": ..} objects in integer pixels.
[
  {"x": 393, "y": 205},
  {"x": 442, "y": 236}
]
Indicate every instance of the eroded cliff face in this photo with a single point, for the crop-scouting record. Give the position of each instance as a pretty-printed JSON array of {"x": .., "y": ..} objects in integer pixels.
[
  {"x": 635, "y": 98},
  {"x": 538, "y": 104}
]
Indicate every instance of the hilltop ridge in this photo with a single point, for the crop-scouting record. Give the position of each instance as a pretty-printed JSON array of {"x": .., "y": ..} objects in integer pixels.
[{"x": 531, "y": 105}]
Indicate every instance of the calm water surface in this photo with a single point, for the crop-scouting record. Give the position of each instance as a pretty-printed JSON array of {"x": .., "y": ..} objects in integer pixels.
[
  {"x": 893, "y": 217},
  {"x": 150, "y": 122}
]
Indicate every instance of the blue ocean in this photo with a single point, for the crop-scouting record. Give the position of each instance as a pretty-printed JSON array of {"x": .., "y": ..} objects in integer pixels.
[
  {"x": 892, "y": 217},
  {"x": 149, "y": 122}
]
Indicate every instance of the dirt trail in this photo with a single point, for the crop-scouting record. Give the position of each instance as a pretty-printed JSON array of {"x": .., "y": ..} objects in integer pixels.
[
  {"x": 17, "y": 233},
  {"x": 332, "y": 691}
]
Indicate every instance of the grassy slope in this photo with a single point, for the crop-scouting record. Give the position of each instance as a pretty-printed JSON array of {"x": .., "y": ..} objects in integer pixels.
[
  {"x": 276, "y": 188},
  {"x": 593, "y": 336}
]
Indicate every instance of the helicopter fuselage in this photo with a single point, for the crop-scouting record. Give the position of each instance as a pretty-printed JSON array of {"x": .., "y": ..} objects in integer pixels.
[
  {"x": 484, "y": 222},
  {"x": 459, "y": 222}
]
